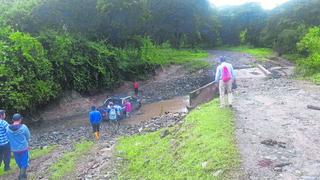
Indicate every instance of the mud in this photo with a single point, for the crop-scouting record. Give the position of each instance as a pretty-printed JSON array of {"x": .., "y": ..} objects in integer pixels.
[{"x": 148, "y": 111}]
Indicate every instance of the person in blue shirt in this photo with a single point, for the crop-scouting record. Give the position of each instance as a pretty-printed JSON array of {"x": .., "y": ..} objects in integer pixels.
[
  {"x": 225, "y": 76},
  {"x": 18, "y": 135},
  {"x": 95, "y": 121},
  {"x": 4, "y": 142}
]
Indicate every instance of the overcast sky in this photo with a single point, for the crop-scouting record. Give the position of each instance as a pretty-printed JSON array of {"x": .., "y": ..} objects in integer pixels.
[{"x": 266, "y": 4}]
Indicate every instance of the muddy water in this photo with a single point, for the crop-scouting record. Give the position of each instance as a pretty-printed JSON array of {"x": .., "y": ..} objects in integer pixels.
[
  {"x": 149, "y": 111},
  {"x": 146, "y": 112}
]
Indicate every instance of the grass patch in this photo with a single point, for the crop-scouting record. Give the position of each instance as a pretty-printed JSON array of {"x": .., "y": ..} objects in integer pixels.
[
  {"x": 34, "y": 154},
  {"x": 191, "y": 59},
  {"x": 174, "y": 56},
  {"x": 305, "y": 67},
  {"x": 196, "y": 65},
  {"x": 314, "y": 78},
  {"x": 202, "y": 148},
  {"x": 67, "y": 162},
  {"x": 260, "y": 53},
  {"x": 37, "y": 153},
  {"x": 295, "y": 58}
]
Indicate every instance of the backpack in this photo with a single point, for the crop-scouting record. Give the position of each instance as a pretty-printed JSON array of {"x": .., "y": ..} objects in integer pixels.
[
  {"x": 112, "y": 114},
  {"x": 226, "y": 75}
]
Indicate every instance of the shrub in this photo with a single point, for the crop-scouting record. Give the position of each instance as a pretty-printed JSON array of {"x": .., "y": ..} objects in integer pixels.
[
  {"x": 311, "y": 44},
  {"x": 25, "y": 72}
]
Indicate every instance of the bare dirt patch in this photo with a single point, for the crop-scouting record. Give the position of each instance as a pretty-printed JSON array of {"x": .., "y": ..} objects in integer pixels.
[{"x": 278, "y": 136}]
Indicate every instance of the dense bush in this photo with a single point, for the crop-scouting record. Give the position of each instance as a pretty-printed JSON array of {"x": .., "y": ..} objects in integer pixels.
[
  {"x": 25, "y": 72},
  {"x": 310, "y": 44},
  {"x": 80, "y": 64},
  {"x": 35, "y": 70}
]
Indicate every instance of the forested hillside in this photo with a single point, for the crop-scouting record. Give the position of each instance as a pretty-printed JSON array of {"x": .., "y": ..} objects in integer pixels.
[{"x": 48, "y": 46}]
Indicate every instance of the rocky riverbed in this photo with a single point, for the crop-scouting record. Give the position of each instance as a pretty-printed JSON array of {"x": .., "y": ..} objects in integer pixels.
[{"x": 67, "y": 137}]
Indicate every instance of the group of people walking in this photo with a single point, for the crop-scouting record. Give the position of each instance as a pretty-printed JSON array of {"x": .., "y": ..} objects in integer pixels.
[
  {"x": 14, "y": 138},
  {"x": 113, "y": 114}
]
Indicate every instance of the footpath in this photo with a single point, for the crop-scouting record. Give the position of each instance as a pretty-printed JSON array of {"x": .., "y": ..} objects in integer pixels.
[{"x": 277, "y": 134}]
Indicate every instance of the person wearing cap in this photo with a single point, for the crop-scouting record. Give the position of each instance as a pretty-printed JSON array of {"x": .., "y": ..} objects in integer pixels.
[
  {"x": 95, "y": 120},
  {"x": 4, "y": 142},
  {"x": 19, "y": 135},
  {"x": 225, "y": 76}
]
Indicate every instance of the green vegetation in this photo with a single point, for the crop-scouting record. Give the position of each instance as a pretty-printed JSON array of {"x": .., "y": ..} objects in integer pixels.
[
  {"x": 310, "y": 45},
  {"x": 259, "y": 53},
  {"x": 34, "y": 154},
  {"x": 43, "y": 54},
  {"x": 293, "y": 57},
  {"x": 67, "y": 162},
  {"x": 201, "y": 148},
  {"x": 37, "y": 153}
]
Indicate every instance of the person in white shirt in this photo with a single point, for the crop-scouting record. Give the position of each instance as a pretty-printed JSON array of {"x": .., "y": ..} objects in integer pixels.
[{"x": 225, "y": 76}]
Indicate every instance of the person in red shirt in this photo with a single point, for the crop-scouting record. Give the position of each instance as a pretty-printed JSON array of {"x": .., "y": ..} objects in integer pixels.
[{"x": 136, "y": 88}]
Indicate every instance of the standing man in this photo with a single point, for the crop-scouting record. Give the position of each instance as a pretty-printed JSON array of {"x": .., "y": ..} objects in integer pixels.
[
  {"x": 95, "y": 120},
  {"x": 4, "y": 142},
  {"x": 19, "y": 135},
  {"x": 225, "y": 76},
  {"x": 136, "y": 88}
]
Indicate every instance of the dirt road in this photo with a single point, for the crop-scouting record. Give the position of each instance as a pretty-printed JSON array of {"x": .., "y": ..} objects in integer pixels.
[{"x": 278, "y": 136}]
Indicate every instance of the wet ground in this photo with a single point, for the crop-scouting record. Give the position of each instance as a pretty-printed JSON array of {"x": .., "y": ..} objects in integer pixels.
[
  {"x": 66, "y": 120},
  {"x": 172, "y": 83},
  {"x": 148, "y": 111},
  {"x": 277, "y": 135}
]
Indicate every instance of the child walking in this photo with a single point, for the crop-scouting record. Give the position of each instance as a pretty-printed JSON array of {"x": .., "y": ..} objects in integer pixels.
[{"x": 19, "y": 135}]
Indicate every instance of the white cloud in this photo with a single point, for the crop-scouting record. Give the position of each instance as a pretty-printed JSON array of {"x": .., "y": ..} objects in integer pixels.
[{"x": 266, "y": 4}]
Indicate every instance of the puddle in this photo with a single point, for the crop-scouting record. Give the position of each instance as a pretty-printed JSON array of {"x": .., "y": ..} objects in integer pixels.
[{"x": 149, "y": 111}]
